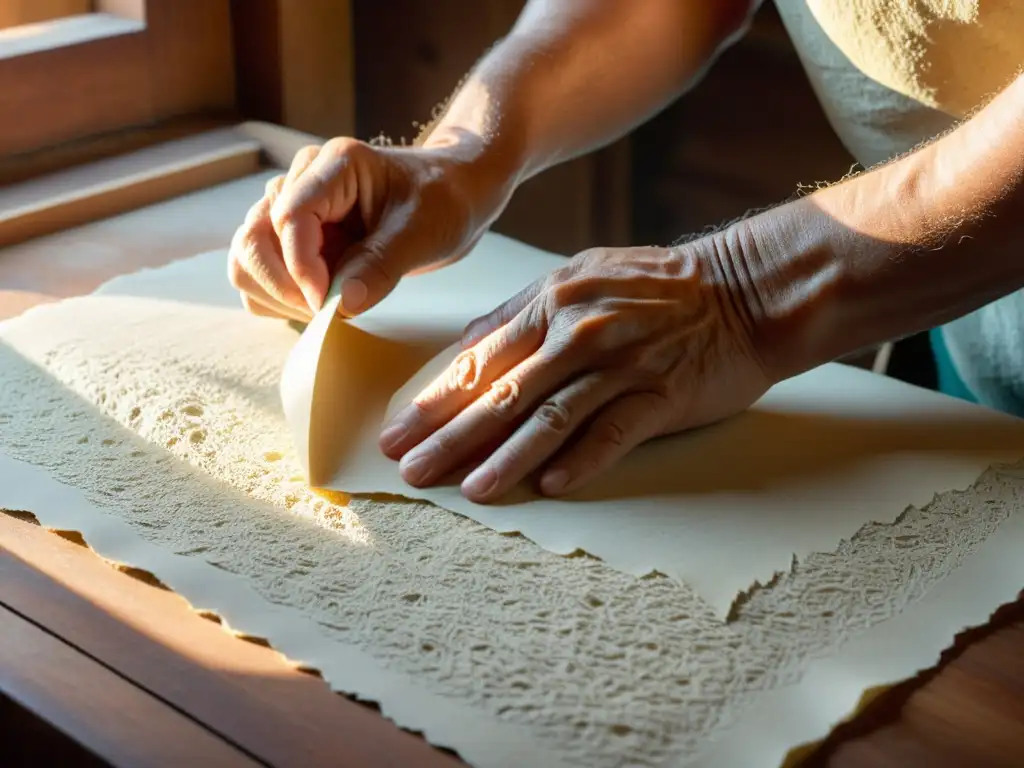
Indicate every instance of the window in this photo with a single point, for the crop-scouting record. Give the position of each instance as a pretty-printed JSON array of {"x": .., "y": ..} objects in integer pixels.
[{"x": 73, "y": 69}]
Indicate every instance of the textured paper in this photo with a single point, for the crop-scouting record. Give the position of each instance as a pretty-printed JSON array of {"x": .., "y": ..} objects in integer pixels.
[
  {"x": 483, "y": 740},
  {"x": 720, "y": 508},
  {"x": 196, "y": 514},
  {"x": 789, "y": 717},
  {"x": 339, "y": 369}
]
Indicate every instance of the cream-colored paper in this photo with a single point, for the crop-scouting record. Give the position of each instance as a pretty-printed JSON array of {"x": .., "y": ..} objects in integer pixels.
[
  {"x": 157, "y": 405},
  {"x": 335, "y": 376},
  {"x": 720, "y": 508}
]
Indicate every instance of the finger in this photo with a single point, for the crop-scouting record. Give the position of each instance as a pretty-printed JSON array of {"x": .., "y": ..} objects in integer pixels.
[
  {"x": 618, "y": 429},
  {"x": 541, "y": 435},
  {"x": 272, "y": 189},
  {"x": 261, "y": 308},
  {"x": 249, "y": 288},
  {"x": 493, "y": 415},
  {"x": 255, "y": 254},
  {"x": 468, "y": 377},
  {"x": 503, "y": 314},
  {"x": 322, "y": 190},
  {"x": 300, "y": 162}
]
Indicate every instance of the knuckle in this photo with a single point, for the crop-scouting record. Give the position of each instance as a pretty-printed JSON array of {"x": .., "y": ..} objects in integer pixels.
[
  {"x": 426, "y": 403},
  {"x": 610, "y": 434},
  {"x": 247, "y": 251},
  {"x": 563, "y": 294},
  {"x": 642, "y": 361},
  {"x": 583, "y": 259},
  {"x": 301, "y": 160},
  {"x": 502, "y": 398},
  {"x": 559, "y": 295},
  {"x": 553, "y": 416},
  {"x": 587, "y": 333},
  {"x": 343, "y": 146},
  {"x": 376, "y": 263},
  {"x": 273, "y": 187},
  {"x": 445, "y": 442},
  {"x": 658, "y": 395},
  {"x": 283, "y": 211},
  {"x": 465, "y": 371}
]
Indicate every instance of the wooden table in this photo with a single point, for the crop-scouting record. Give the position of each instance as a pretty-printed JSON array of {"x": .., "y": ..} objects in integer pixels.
[{"x": 103, "y": 667}]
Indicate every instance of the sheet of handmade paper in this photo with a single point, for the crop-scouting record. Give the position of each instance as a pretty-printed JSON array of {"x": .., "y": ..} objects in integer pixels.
[
  {"x": 721, "y": 508},
  {"x": 148, "y": 417}
]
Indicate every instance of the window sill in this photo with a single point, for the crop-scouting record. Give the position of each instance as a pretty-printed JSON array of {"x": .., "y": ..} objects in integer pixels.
[{"x": 59, "y": 33}]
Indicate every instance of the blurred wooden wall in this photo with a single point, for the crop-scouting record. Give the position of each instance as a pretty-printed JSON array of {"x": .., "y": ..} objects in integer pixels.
[
  {"x": 744, "y": 138},
  {"x": 14, "y": 13}
]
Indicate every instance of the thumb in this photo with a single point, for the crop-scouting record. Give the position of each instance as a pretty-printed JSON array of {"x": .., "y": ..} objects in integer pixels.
[{"x": 370, "y": 269}]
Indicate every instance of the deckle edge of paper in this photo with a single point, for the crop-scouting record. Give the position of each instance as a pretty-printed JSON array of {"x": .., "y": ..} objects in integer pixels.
[
  {"x": 344, "y": 668},
  {"x": 832, "y": 688}
]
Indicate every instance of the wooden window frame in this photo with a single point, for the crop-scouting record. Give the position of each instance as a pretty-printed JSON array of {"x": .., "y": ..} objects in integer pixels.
[{"x": 134, "y": 63}]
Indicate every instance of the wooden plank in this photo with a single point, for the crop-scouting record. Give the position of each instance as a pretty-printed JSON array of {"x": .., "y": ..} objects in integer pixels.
[
  {"x": 968, "y": 711},
  {"x": 245, "y": 692},
  {"x": 48, "y": 268},
  {"x": 108, "y": 187},
  {"x": 20, "y": 168},
  {"x": 188, "y": 160},
  {"x": 108, "y": 715}
]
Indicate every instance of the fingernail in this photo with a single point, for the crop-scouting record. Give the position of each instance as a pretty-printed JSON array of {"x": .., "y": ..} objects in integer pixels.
[
  {"x": 418, "y": 471},
  {"x": 391, "y": 436},
  {"x": 313, "y": 298},
  {"x": 353, "y": 295},
  {"x": 480, "y": 483},
  {"x": 554, "y": 481}
]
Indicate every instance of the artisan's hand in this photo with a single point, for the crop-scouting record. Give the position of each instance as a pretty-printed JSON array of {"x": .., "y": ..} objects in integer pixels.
[
  {"x": 618, "y": 347},
  {"x": 369, "y": 214}
]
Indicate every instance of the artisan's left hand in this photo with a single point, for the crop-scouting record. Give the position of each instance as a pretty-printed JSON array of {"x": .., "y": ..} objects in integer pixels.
[{"x": 617, "y": 347}]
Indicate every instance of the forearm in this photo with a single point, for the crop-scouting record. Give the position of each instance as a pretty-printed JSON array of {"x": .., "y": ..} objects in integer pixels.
[
  {"x": 900, "y": 249},
  {"x": 574, "y": 75}
]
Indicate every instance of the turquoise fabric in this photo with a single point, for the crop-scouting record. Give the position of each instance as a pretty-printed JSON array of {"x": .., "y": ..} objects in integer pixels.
[{"x": 950, "y": 382}]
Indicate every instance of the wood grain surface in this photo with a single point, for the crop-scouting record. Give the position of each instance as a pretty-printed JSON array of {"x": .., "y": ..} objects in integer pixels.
[
  {"x": 243, "y": 693},
  {"x": 108, "y": 714}
]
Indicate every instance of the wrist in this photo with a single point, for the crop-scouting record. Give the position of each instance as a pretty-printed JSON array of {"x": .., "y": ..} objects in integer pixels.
[
  {"x": 484, "y": 173},
  {"x": 785, "y": 281},
  {"x": 819, "y": 270},
  {"x": 903, "y": 248}
]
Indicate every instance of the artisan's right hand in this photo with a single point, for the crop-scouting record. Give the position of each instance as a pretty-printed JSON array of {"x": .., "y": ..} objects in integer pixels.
[{"x": 367, "y": 214}]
